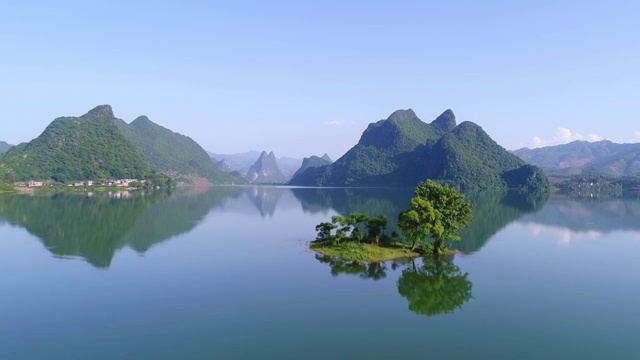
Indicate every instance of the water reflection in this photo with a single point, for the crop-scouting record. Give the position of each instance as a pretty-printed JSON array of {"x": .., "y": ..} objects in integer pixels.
[
  {"x": 94, "y": 227},
  {"x": 265, "y": 199},
  {"x": 364, "y": 270},
  {"x": 583, "y": 215},
  {"x": 431, "y": 286},
  {"x": 435, "y": 287},
  {"x": 491, "y": 211}
]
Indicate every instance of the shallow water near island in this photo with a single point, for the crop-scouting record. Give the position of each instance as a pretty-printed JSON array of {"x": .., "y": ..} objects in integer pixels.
[{"x": 225, "y": 273}]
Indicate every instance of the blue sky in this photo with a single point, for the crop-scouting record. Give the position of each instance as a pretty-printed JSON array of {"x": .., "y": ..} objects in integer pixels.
[{"x": 306, "y": 77}]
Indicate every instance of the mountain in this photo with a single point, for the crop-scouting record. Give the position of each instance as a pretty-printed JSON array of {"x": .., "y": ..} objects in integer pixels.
[
  {"x": 240, "y": 162},
  {"x": 4, "y": 147},
  {"x": 76, "y": 148},
  {"x": 468, "y": 158},
  {"x": 381, "y": 154},
  {"x": 174, "y": 154},
  {"x": 99, "y": 145},
  {"x": 578, "y": 157},
  {"x": 265, "y": 170},
  {"x": 312, "y": 162},
  {"x": 402, "y": 150},
  {"x": 288, "y": 166}
]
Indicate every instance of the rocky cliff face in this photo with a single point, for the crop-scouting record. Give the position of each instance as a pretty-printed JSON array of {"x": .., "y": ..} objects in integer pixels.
[{"x": 265, "y": 170}]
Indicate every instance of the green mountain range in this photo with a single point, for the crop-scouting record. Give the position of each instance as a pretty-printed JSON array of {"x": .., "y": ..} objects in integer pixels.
[
  {"x": 173, "y": 154},
  {"x": 265, "y": 170},
  {"x": 76, "y": 148},
  {"x": 98, "y": 145},
  {"x": 4, "y": 147},
  {"x": 583, "y": 157},
  {"x": 402, "y": 151},
  {"x": 313, "y": 162}
]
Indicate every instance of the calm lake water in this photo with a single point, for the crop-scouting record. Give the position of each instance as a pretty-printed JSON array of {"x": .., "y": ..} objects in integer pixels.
[{"x": 225, "y": 273}]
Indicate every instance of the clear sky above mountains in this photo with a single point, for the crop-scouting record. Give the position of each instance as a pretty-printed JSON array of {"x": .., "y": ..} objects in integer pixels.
[{"x": 303, "y": 78}]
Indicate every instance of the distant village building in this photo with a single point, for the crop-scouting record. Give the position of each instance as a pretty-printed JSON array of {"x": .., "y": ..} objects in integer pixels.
[{"x": 35, "y": 183}]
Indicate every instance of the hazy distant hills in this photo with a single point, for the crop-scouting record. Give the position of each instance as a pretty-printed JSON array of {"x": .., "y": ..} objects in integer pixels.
[
  {"x": 578, "y": 157},
  {"x": 241, "y": 162},
  {"x": 4, "y": 147},
  {"x": 265, "y": 170},
  {"x": 98, "y": 145},
  {"x": 402, "y": 150}
]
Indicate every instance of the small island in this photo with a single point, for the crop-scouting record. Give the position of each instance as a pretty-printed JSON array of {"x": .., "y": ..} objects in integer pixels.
[{"x": 435, "y": 215}]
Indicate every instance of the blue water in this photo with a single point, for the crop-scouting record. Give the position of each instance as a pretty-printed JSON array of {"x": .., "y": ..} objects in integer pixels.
[{"x": 226, "y": 273}]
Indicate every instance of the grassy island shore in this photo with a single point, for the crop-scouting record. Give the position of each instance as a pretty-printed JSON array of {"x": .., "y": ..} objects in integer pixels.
[{"x": 364, "y": 252}]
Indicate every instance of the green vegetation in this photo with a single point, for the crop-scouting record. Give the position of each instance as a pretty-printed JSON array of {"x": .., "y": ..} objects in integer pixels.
[
  {"x": 312, "y": 162},
  {"x": 76, "y": 148},
  {"x": 592, "y": 186},
  {"x": 352, "y": 251},
  {"x": 403, "y": 150},
  {"x": 98, "y": 146},
  {"x": 358, "y": 237},
  {"x": 174, "y": 154},
  {"x": 438, "y": 212},
  {"x": 4, "y": 147}
]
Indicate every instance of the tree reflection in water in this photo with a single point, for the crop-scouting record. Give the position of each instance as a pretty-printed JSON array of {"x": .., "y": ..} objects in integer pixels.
[
  {"x": 436, "y": 287},
  {"x": 433, "y": 287}
]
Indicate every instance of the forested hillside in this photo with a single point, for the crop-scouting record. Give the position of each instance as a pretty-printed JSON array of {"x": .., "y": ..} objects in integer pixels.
[
  {"x": 174, "y": 154},
  {"x": 76, "y": 148},
  {"x": 402, "y": 151}
]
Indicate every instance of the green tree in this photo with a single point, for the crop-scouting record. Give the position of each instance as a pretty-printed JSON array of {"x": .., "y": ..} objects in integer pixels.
[
  {"x": 437, "y": 211},
  {"x": 375, "y": 227},
  {"x": 357, "y": 235},
  {"x": 324, "y": 230}
]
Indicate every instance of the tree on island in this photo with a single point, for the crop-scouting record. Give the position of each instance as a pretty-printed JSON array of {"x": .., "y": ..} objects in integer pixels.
[
  {"x": 349, "y": 228},
  {"x": 437, "y": 211}
]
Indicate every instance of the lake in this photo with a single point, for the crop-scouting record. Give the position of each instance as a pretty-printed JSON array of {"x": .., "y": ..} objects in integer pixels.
[{"x": 226, "y": 273}]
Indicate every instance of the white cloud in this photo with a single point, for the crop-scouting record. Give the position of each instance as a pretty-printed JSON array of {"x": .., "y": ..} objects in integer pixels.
[
  {"x": 635, "y": 138},
  {"x": 563, "y": 236},
  {"x": 563, "y": 136},
  {"x": 338, "y": 122}
]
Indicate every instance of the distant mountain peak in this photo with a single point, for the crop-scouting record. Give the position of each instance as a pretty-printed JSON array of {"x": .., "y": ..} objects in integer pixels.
[
  {"x": 101, "y": 111},
  {"x": 265, "y": 170},
  {"x": 142, "y": 119},
  {"x": 446, "y": 121},
  {"x": 402, "y": 115},
  {"x": 326, "y": 157}
]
